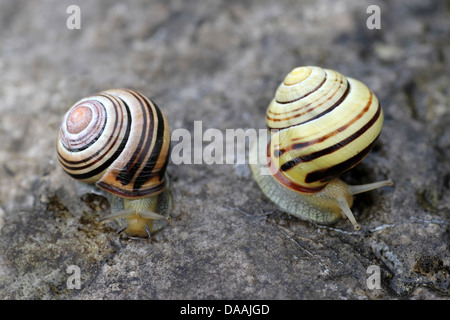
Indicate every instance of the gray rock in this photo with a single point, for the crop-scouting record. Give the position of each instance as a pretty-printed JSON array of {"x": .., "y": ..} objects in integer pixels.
[{"x": 220, "y": 62}]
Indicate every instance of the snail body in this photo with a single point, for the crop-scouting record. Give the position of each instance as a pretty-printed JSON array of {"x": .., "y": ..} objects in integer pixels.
[
  {"x": 120, "y": 140},
  {"x": 321, "y": 125}
]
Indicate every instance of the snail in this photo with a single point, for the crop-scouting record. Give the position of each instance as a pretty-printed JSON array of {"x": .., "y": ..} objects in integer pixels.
[
  {"x": 120, "y": 140},
  {"x": 321, "y": 124}
]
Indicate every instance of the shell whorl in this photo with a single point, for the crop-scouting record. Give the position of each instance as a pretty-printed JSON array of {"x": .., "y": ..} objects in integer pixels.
[
  {"x": 118, "y": 139},
  {"x": 322, "y": 124}
]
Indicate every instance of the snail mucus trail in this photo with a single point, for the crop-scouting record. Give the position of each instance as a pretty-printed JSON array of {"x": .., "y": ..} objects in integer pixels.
[
  {"x": 120, "y": 140},
  {"x": 322, "y": 124}
]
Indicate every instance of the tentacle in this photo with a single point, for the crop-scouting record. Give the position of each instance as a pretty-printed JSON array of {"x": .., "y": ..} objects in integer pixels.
[
  {"x": 348, "y": 213},
  {"x": 370, "y": 186}
]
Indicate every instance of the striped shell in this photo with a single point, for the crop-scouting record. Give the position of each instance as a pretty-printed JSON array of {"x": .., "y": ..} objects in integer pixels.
[
  {"x": 322, "y": 124},
  {"x": 118, "y": 139}
]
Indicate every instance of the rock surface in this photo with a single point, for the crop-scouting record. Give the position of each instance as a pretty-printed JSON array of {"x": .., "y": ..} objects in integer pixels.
[{"x": 220, "y": 62}]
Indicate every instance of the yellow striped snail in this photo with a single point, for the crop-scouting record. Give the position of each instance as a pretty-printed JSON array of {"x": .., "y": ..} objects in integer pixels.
[
  {"x": 322, "y": 124},
  {"x": 120, "y": 140}
]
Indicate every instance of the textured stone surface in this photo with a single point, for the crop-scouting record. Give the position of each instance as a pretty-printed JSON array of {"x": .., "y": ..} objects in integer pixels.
[{"x": 220, "y": 62}]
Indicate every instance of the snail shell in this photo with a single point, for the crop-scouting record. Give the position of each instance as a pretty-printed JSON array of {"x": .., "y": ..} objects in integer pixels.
[
  {"x": 322, "y": 124},
  {"x": 120, "y": 140}
]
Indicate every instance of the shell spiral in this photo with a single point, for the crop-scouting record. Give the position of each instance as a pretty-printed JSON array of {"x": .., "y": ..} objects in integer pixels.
[
  {"x": 322, "y": 124},
  {"x": 118, "y": 139}
]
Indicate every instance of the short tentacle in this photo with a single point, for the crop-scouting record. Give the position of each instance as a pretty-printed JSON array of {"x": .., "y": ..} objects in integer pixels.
[{"x": 348, "y": 213}]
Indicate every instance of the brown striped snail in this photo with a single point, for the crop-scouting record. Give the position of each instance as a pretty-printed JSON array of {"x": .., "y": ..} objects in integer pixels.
[
  {"x": 120, "y": 140},
  {"x": 321, "y": 125}
]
